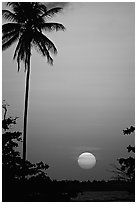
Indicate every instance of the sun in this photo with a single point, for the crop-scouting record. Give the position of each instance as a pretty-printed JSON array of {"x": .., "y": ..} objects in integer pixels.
[{"x": 86, "y": 160}]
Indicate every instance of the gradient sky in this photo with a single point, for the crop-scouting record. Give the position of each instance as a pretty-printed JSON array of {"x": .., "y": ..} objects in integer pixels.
[{"x": 86, "y": 99}]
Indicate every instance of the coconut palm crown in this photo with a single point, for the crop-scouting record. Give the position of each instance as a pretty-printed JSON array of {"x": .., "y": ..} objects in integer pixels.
[
  {"x": 27, "y": 24},
  {"x": 28, "y": 20}
]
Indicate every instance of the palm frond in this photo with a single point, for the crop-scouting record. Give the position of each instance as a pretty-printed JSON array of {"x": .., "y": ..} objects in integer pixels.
[
  {"x": 8, "y": 15},
  {"x": 44, "y": 52},
  {"x": 6, "y": 37},
  {"x": 21, "y": 9},
  {"x": 21, "y": 55},
  {"x": 18, "y": 62},
  {"x": 19, "y": 45},
  {"x": 40, "y": 8},
  {"x": 10, "y": 42},
  {"x": 53, "y": 27},
  {"x": 49, "y": 44},
  {"x": 46, "y": 41},
  {"x": 40, "y": 46},
  {"x": 13, "y": 5},
  {"x": 22, "y": 51},
  {"x": 9, "y": 27},
  {"x": 52, "y": 12}
]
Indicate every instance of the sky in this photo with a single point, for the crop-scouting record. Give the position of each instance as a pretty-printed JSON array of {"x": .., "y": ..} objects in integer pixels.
[{"x": 84, "y": 101}]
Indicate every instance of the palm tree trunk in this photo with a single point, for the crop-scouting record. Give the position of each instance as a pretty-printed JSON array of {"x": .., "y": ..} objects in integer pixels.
[{"x": 25, "y": 113}]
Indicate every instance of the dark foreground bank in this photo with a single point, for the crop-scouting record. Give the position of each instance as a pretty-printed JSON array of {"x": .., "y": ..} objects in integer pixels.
[{"x": 105, "y": 196}]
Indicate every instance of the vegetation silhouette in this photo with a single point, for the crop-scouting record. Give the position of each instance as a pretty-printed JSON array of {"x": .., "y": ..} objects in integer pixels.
[
  {"x": 129, "y": 130},
  {"x": 126, "y": 169},
  {"x": 28, "y": 20},
  {"x": 38, "y": 186}
]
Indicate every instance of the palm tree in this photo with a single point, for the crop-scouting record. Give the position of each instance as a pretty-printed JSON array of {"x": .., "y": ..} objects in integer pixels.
[{"x": 28, "y": 20}]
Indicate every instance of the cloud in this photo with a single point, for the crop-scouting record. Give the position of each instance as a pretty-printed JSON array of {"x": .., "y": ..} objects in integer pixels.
[{"x": 56, "y": 4}]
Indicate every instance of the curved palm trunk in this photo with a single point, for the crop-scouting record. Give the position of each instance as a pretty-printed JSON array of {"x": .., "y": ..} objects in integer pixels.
[{"x": 25, "y": 113}]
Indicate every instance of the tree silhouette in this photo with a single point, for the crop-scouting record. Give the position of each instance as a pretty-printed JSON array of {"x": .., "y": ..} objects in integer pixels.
[
  {"x": 12, "y": 163},
  {"x": 11, "y": 160},
  {"x": 10, "y": 157},
  {"x": 126, "y": 169},
  {"x": 28, "y": 20},
  {"x": 129, "y": 130}
]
